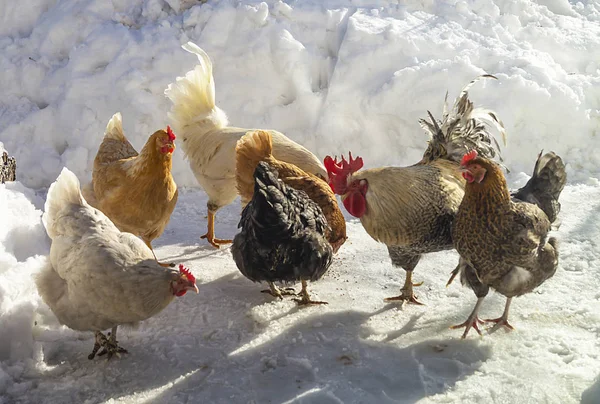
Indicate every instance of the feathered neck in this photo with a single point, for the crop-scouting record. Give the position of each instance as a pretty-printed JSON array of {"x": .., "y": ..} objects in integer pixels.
[
  {"x": 150, "y": 155},
  {"x": 492, "y": 191}
]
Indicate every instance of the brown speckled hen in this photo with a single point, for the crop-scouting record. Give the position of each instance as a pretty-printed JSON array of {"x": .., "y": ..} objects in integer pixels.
[{"x": 502, "y": 238}]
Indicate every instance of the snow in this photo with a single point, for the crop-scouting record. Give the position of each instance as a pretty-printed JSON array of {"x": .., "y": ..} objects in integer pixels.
[{"x": 336, "y": 76}]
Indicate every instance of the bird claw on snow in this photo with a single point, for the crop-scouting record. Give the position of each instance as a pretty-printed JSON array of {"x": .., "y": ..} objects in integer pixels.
[
  {"x": 305, "y": 301},
  {"x": 278, "y": 292},
  {"x": 407, "y": 295},
  {"x": 470, "y": 323},
  {"x": 109, "y": 346},
  {"x": 500, "y": 322}
]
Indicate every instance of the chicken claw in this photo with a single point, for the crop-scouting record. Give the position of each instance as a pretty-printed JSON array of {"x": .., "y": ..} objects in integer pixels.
[
  {"x": 109, "y": 345},
  {"x": 278, "y": 292},
  {"x": 99, "y": 342},
  {"x": 305, "y": 299},
  {"x": 407, "y": 294},
  {"x": 501, "y": 321},
  {"x": 472, "y": 321},
  {"x": 215, "y": 242}
]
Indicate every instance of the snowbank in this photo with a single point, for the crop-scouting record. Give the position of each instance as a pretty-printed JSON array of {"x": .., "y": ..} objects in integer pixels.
[
  {"x": 333, "y": 75},
  {"x": 23, "y": 243}
]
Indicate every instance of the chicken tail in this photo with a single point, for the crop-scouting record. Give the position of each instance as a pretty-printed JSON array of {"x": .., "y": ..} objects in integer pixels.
[
  {"x": 114, "y": 128},
  {"x": 115, "y": 145},
  {"x": 463, "y": 129},
  {"x": 62, "y": 193},
  {"x": 251, "y": 149},
  {"x": 544, "y": 187},
  {"x": 193, "y": 96}
]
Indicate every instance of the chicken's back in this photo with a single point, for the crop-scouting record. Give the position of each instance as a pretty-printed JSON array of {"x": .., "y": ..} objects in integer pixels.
[{"x": 212, "y": 158}]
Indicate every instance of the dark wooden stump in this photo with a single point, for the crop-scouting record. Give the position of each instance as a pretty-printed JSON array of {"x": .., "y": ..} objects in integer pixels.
[{"x": 8, "y": 168}]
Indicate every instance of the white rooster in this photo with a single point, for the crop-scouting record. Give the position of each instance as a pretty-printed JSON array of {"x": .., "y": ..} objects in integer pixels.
[
  {"x": 209, "y": 143},
  {"x": 98, "y": 277}
]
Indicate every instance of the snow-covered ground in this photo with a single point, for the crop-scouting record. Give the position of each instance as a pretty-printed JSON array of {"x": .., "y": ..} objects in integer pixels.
[{"x": 334, "y": 75}]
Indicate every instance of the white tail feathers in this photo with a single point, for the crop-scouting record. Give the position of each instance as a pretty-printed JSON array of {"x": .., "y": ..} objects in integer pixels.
[
  {"x": 62, "y": 193},
  {"x": 193, "y": 96},
  {"x": 114, "y": 128}
]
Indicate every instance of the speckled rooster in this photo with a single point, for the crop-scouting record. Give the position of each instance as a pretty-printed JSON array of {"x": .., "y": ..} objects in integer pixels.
[{"x": 411, "y": 209}]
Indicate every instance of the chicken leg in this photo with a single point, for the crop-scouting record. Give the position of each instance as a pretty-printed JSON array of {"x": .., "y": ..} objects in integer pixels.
[
  {"x": 407, "y": 294},
  {"x": 109, "y": 345},
  {"x": 407, "y": 260},
  {"x": 501, "y": 321},
  {"x": 210, "y": 234},
  {"x": 305, "y": 300},
  {"x": 472, "y": 321},
  {"x": 162, "y": 264},
  {"x": 277, "y": 292}
]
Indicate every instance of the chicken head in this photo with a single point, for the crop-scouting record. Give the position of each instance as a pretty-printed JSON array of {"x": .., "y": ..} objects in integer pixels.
[
  {"x": 165, "y": 141},
  {"x": 184, "y": 282},
  {"x": 353, "y": 190}
]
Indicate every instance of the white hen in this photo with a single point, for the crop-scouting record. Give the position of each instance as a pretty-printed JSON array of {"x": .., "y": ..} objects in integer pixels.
[
  {"x": 209, "y": 143},
  {"x": 98, "y": 277}
]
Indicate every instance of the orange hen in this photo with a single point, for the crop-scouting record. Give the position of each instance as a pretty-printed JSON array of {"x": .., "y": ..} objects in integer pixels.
[{"x": 136, "y": 191}]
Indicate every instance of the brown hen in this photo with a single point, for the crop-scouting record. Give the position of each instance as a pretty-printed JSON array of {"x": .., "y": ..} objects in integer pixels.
[
  {"x": 136, "y": 191},
  {"x": 502, "y": 238}
]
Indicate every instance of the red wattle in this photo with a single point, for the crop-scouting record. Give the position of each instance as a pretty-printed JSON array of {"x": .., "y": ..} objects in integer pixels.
[{"x": 355, "y": 204}]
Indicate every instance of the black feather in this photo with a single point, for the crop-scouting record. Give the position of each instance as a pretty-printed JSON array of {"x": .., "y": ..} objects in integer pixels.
[
  {"x": 546, "y": 184},
  {"x": 282, "y": 235}
]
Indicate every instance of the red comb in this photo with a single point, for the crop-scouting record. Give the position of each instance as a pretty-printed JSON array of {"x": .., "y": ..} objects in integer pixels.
[
  {"x": 338, "y": 172},
  {"x": 187, "y": 273},
  {"x": 171, "y": 134},
  {"x": 468, "y": 157}
]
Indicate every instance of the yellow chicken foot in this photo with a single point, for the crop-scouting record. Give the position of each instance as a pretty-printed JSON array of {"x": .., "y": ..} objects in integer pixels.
[
  {"x": 162, "y": 264},
  {"x": 407, "y": 294},
  {"x": 210, "y": 234},
  {"x": 305, "y": 300},
  {"x": 110, "y": 346},
  {"x": 277, "y": 292},
  {"x": 501, "y": 321},
  {"x": 472, "y": 321}
]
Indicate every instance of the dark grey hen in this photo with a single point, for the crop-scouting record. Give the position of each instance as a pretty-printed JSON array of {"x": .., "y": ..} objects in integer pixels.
[{"x": 282, "y": 237}]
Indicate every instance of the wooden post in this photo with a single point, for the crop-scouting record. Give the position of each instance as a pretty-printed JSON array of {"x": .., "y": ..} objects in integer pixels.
[{"x": 8, "y": 168}]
